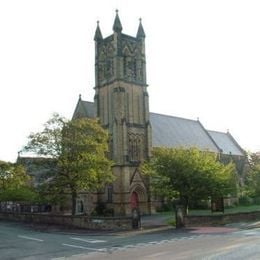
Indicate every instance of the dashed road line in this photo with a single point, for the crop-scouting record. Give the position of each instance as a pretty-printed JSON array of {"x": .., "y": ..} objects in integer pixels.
[
  {"x": 92, "y": 241},
  {"x": 84, "y": 247},
  {"x": 130, "y": 246},
  {"x": 153, "y": 242},
  {"x": 31, "y": 238}
]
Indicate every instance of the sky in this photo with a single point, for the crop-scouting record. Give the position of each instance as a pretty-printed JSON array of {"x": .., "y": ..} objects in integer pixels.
[{"x": 203, "y": 61}]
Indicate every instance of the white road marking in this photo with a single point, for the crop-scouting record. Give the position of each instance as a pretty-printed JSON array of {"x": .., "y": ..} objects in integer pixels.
[
  {"x": 88, "y": 240},
  {"x": 88, "y": 248},
  {"x": 153, "y": 242},
  {"x": 129, "y": 246},
  {"x": 31, "y": 238}
]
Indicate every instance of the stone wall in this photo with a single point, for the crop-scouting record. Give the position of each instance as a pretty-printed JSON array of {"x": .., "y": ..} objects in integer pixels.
[
  {"x": 221, "y": 219},
  {"x": 97, "y": 223}
]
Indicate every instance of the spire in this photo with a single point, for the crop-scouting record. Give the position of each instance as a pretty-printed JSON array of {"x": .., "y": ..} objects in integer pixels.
[
  {"x": 140, "y": 32},
  {"x": 98, "y": 34},
  {"x": 117, "y": 27}
]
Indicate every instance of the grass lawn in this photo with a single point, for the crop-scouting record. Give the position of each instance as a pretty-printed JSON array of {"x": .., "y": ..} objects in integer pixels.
[
  {"x": 227, "y": 210},
  {"x": 205, "y": 212}
]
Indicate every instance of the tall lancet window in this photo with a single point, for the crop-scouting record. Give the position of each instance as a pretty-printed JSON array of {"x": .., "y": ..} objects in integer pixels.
[{"x": 135, "y": 147}]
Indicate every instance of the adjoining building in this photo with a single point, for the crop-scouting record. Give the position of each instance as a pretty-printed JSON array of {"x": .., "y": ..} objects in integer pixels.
[{"x": 121, "y": 103}]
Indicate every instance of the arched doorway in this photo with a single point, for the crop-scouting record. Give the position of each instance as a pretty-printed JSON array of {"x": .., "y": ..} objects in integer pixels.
[{"x": 134, "y": 200}]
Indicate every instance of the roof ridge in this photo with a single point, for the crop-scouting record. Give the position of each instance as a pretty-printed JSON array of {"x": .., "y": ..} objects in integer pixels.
[
  {"x": 236, "y": 143},
  {"x": 215, "y": 131},
  {"x": 210, "y": 137},
  {"x": 92, "y": 102},
  {"x": 188, "y": 119}
]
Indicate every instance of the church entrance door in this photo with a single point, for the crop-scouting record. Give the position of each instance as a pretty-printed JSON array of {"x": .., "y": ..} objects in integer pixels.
[{"x": 134, "y": 200}]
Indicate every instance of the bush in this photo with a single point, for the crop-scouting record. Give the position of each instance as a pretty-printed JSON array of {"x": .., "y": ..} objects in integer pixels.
[
  {"x": 165, "y": 207},
  {"x": 257, "y": 200},
  {"x": 245, "y": 201},
  {"x": 199, "y": 204}
]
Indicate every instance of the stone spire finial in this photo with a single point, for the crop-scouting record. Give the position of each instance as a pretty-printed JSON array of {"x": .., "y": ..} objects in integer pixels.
[
  {"x": 140, "y": 32},
  {"x": 117, "y": 27},
  {"x": 98, "y": 34}
]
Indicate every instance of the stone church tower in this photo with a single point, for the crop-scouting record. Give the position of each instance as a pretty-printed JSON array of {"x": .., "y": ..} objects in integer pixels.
[{"x": 122, "y": 105}]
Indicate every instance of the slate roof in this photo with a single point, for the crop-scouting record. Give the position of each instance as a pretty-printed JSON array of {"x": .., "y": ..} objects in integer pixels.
[
  {"x": 85, "y": 109},
  {"x": 171, "y": 131},
  {"x": 226, "y": 143}
]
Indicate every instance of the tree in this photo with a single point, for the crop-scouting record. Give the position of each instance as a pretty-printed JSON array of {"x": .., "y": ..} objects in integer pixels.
[
  {"x": 15, "y": 183},
  {"x": 252, "y": 180},
  {"x": 79, "y": 148},
  {"x": 189, "y": 174}
]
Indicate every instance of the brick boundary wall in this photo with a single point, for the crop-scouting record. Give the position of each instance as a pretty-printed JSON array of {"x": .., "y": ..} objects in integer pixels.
[
  {"x": 214, "y": 220},
  {"x": 95, "y": 223}
]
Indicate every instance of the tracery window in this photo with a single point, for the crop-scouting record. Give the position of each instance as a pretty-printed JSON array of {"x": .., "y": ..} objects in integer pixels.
[
  {"x": 130, "y": 68},
  {"x": 135, "y": 147}
]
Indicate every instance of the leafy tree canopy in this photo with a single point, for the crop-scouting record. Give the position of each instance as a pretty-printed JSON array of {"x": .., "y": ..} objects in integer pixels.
[
  {"x": 189, "y": 174},
  {"x": 79, "y": 148},
  {"x": 252, "y": 180},
  {"x": 15, "y": 183},
  {"x": 12, "y": 176}
]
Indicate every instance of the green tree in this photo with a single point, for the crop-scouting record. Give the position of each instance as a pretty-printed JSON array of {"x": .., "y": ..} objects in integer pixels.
[
  {"x": 15, "y": 183},
  {"x": 252, "y": 180},
  {"x": 79, "y": 148},
  {"x": 189, "y": 174}
]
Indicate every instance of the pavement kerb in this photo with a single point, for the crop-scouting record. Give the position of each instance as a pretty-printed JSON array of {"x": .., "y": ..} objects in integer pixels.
[
  {"x": 245, "y": 225},
  {"x": 62, "y": 230},
  {"x": 145, "y": 230}
]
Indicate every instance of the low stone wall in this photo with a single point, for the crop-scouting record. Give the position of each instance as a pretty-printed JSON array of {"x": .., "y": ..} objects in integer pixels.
[
  {"x": 221, "y": 219},
  {"x": 97, "y": 223}
]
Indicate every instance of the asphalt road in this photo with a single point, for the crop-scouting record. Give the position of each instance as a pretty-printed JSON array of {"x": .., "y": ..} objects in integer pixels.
[{"x": 22, "y": 242}]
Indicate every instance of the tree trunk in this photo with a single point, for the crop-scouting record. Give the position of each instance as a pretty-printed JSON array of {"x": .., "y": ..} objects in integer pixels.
[
  {"x": 185, "y": 202},
  {"x": 74, "y": 204}
]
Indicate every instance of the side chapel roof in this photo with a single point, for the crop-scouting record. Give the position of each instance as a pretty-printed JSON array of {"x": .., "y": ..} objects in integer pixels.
[
  {"x": 84, "y": 109},
  {"x": 226, "y": 142}
]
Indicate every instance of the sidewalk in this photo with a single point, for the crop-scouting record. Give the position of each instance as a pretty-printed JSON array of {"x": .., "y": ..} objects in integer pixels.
[
  {"x": 155, "y": 221},
  {"x": 149, "y": 224},
  {"x": 245, "y": 225}
]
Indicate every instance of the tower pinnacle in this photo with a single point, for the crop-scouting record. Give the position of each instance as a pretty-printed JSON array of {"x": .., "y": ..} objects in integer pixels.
[
  {"x": 117, "y": 27},
  {"x": 98, "y": 34},
  {"x": 140, "y": 32}
]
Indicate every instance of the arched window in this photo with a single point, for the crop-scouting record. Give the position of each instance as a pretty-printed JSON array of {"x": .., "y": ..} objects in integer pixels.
[{"x": 135, "y": 147}]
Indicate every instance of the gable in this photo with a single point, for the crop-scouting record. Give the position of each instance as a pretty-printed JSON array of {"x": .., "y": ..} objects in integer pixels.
[
  {"x": 136, "y": 178},
  {"x": 226, "y": 143},
  {"x": 84, "y": 109}
]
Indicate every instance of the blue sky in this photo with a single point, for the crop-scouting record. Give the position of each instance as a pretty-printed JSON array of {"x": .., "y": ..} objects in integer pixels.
[{"x": 203, "y": 60}]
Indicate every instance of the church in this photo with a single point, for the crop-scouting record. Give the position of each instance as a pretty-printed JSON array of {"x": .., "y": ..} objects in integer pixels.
[{"x": 121, "y": 103}]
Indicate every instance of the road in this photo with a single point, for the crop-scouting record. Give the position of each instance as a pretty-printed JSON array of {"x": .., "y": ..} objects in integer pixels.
[{"x": 22, "y": 242}]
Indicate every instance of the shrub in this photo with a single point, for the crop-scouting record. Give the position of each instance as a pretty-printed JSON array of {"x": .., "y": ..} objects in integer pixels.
[
  {"x": 199, "y": 204},
  {"x": 165, "y": 207},
  {"x": 257, "y": 200},
  {"x": 245, "y": 201}
]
